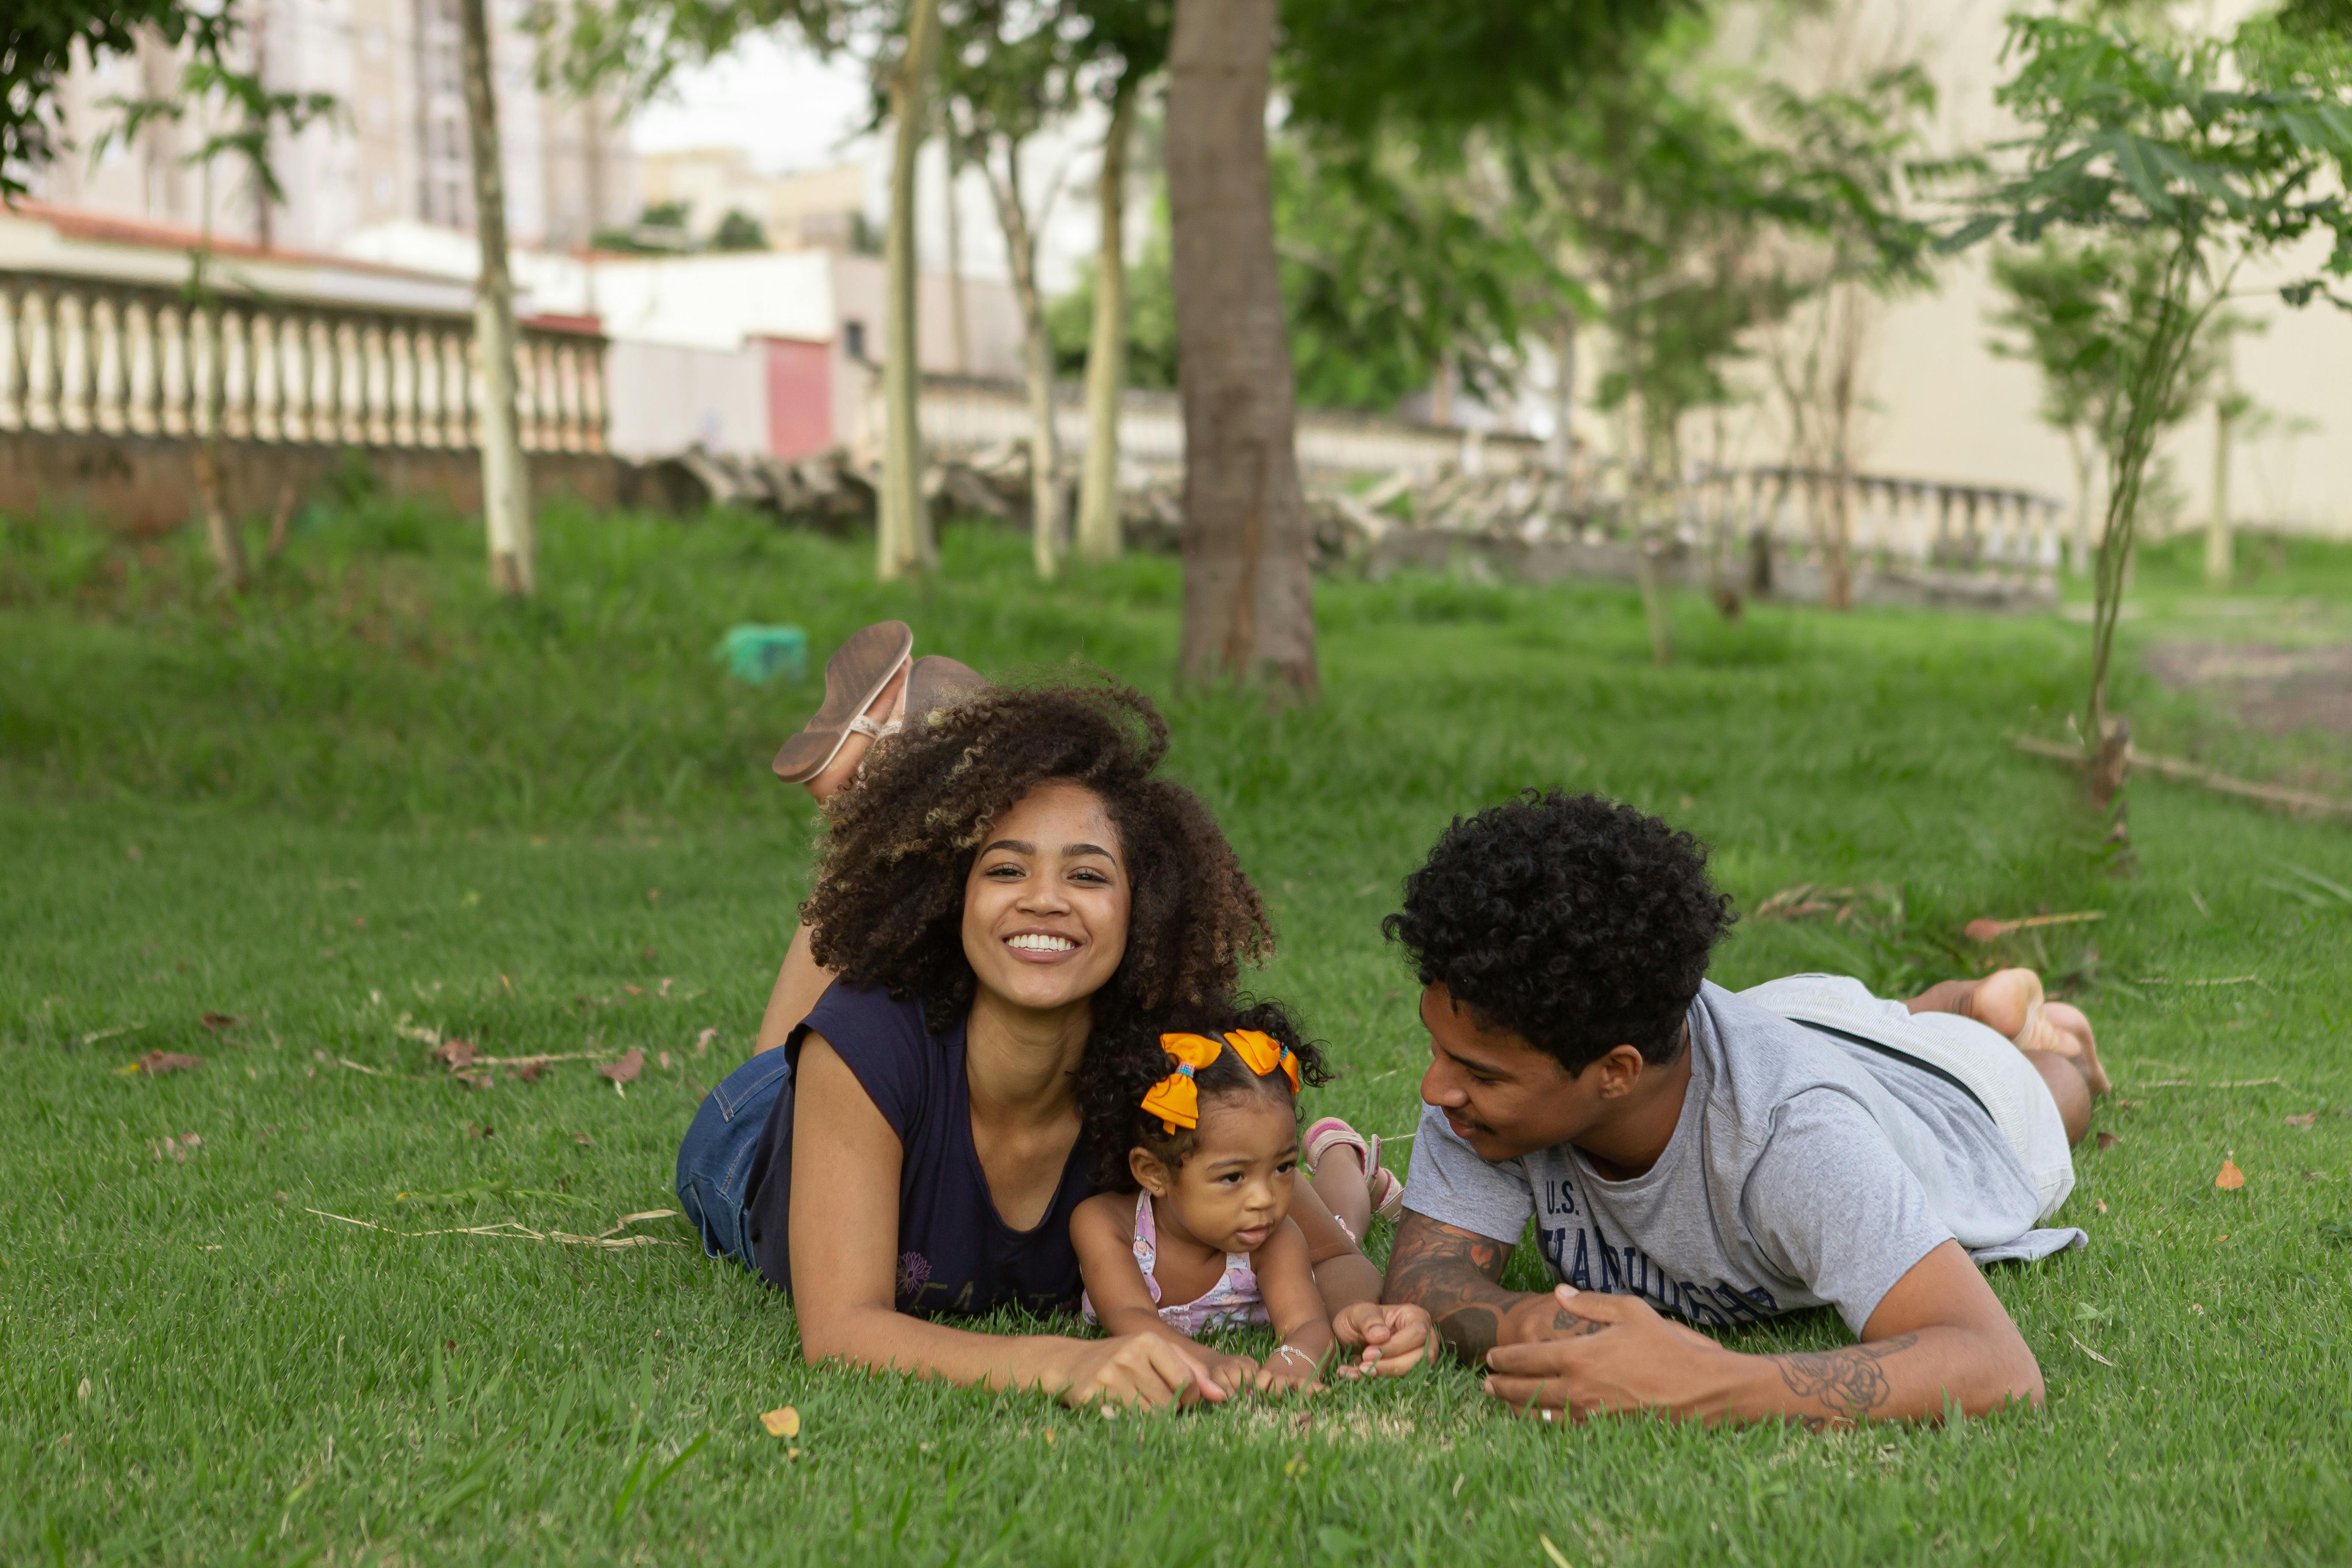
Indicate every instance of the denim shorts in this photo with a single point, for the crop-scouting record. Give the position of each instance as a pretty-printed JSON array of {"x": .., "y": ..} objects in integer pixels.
[{"x": 714, "y": 1162}]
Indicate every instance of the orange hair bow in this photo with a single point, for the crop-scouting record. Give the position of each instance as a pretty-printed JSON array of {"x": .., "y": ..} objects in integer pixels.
[
  {"x": 1176, "y": 1099},
  {"x": 1263, "y": 1052}
]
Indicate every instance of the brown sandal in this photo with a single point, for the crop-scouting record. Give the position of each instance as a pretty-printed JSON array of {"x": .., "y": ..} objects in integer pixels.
[{"x": 854, "y": 677}]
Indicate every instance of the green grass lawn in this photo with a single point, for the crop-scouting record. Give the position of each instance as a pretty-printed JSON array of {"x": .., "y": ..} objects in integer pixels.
[{"x": 372, "y": 804}]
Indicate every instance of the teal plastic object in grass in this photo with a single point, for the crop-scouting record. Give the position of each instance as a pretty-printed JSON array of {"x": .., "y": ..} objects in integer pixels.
[{"x": 758, "y": 655}]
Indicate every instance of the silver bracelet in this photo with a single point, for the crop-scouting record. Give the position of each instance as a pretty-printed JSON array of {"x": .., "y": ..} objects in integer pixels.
[{"x": 1295, "y": 1351}]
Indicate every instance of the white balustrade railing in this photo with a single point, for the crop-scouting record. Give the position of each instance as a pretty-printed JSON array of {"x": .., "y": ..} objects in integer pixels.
[
  {"x": 1893, "y": 523},
  {"x": 93, "y": 356}
]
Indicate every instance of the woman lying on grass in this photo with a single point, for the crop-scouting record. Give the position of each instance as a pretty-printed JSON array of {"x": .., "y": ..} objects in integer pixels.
[
  {"x": 1005, "y": 879},
  {"x": 1195, "y": 1134}
]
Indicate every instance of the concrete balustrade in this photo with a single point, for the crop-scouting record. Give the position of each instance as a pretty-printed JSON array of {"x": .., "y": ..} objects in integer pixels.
[{"x": 91, "y": 356}]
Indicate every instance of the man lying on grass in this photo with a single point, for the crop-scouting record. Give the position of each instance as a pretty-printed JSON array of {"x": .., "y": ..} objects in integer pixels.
[{"x": 1722, "y": 1158}]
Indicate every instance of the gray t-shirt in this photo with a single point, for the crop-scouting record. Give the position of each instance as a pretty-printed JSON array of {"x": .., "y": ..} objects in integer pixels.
[{"x": 1805, "y": 1171}]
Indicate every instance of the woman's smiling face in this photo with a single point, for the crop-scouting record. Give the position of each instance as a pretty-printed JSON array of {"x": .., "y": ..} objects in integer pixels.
[{"x": 1045, "y": 907}]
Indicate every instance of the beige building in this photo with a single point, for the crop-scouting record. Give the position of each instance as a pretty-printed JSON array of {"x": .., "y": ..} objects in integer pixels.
[
  {"x": 397, "y": 150},
  {"x": 815, "y": 207}
]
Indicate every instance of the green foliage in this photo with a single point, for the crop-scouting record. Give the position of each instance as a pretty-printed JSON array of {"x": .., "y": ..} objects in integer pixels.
[
  {"x": 739, "y": 230},
  {"x": 2143, "y": 138},
  {"x": 1150, "y": 312},
  {"x": 635, "y": 48},
  {"x": 1393, "y": 271},
  {"x": 1435, "y": 72},
  {"x": 45, "y": 38}
]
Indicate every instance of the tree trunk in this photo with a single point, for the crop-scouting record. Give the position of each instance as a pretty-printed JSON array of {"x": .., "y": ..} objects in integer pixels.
[
  {"x": 903, "y": 541},
  {"x": 959, "y": 325},
  {"x": 1036, "y": 365},
  {"x": 1563, "y": 393},
  {"x": 2078, "y": 548},
  {"x": 221, "y": 536},
  {"x": 1248, "y": 595},
  {"x": 505, "y": 477},
  {"x": 2219, "y": 554},
  {"x": 1099, "y": 536}
]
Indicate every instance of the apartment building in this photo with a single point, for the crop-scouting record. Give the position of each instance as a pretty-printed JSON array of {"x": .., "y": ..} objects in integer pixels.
[{"x": 397, "y": 150}]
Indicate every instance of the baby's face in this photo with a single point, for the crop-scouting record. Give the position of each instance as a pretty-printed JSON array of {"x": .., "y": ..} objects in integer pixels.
[{"x": 1236, "y": 1186}]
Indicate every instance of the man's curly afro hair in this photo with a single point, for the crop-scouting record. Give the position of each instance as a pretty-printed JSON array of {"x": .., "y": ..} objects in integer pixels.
[
  {"x": 888, "y": 906},
  {"x": 1572, "y": 922},
  {"x": 1121, "y": 1066}
]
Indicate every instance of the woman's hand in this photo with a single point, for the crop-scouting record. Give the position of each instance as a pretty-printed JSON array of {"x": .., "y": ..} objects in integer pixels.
[
  {"x": 1143, "y": 1369},
  {"x": 1396, "y": 1338}
]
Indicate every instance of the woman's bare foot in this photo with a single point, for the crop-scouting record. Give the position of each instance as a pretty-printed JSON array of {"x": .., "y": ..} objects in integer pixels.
[
  {"x": 890, "y": 704},
  {"x": 2009, "y": 1002}
]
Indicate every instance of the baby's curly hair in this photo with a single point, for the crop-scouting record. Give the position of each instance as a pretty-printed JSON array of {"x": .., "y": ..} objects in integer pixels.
[
  {"x": 888, "y": 906},
  {"x": 1572, "y": 922},
  {"x": 1121, "y": 1066}
]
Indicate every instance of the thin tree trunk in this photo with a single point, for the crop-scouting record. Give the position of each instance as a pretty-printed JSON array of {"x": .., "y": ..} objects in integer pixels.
[
  {"x": 1563, "y": 393},
  {"x": 959, "y": 325},
  {"x": 1100, "y": 537},
  {"x": 221, "y": 536},
  {"x": 903, "y": 541},
  {"x": 506, "y": 476},
  {"x": 1249, "y": 613},
  {"x": 1036, "y": 365},
  {"x": 2219, "y": 555},
  {"x": 2078, "y": 548}
]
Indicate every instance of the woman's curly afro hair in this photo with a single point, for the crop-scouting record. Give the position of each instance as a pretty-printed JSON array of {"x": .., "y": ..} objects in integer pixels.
[
  {"x": 1121, "y": 1066},
  {"x": 1574, "y": 922},
  {"x": 888, "y": 906}
]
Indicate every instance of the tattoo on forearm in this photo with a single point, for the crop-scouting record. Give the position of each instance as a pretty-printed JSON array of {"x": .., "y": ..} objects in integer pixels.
[
  {"x": 1850, "y": 1382},
  {"x": 1451, "y": 1273}
]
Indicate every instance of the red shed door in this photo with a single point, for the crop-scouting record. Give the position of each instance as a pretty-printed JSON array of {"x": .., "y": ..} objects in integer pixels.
[{"x": 800, "y": 397}]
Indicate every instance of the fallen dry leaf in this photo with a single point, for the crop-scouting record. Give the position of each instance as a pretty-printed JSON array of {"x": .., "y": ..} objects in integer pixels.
[
  {"x": 218, "y": 1022},
  {"x": 456, "y": 1053},
  {"x": 664, "y": 1059},
  {"x": 154, "y": 1064},
  {"x": 2230, "y": 1178},
  {"x": 1989, "y": 929},
  {"x": 626, "y": 1069},
  {"x": 584, "y": 1139},
  {"x": 702, "y": 1041},
  {"x": 2103, "y": 1205},
  {"x": 2307, "y": 1119},
  {"x": 529, "y": 1072},
  {"x": 785, "y": 1422},
  {"x": 2109, "y": 1140},
  {"x": 633, "y": 990}
]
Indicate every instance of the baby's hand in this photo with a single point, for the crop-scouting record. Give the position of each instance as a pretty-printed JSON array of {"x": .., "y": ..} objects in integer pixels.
[
  {"x": 1394, "y": 1338},
  {"x": 1288, "y": 1370},
  {"x": 1233, "y": 1372}
]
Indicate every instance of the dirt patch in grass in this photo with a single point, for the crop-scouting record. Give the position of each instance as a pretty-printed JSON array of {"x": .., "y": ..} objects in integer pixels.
[{"x": 2269, "y": 689}]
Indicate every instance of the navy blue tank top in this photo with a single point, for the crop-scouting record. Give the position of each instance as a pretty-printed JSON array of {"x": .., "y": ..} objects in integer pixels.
[{"x": 956, "y": 1255}]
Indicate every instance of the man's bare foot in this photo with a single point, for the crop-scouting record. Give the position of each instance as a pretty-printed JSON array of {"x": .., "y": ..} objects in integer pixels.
[
  {"x": 2070, "y": 1024},
  {"x": 2010, "y": 1003},
  {"x": 890, "y": 704}
]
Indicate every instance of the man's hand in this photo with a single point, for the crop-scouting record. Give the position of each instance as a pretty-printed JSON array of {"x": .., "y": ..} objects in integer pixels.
[
  {"x": 1596, "y": 1353},
  {"x": 1938, "y": 1338},
  {"x": 1450, "y": 1273},
  {"x": 1395, "y": 1337}
]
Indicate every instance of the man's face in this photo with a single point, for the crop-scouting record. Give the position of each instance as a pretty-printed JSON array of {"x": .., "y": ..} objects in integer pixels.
[{"x": 1501, "y": 1095}]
